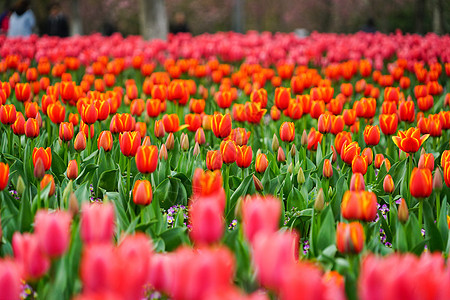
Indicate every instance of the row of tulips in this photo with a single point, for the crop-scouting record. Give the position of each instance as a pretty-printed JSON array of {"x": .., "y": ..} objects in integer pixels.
[{"x": 129, "y": 172}]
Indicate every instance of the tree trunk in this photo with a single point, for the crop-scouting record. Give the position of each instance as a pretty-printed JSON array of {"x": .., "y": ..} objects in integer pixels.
[
  {"x": 153, "y": 19},
  {"x": 420, "y": 16},
  {"x": 76, "y": 26},
  {"x": 437, "y": 21},
  {"x": 238, "y": 16}
]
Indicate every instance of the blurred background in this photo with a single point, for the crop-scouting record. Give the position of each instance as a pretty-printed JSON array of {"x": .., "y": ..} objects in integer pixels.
[{"x": 152, "y": 17}]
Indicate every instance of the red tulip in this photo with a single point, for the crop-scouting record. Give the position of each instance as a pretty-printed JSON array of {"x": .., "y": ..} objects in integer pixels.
[
  {"x": 45, "y": 155},
  {"x": 129, "y": 142},
  {"x": 287, "y": 132},
  {"x": 221, "y": 125},
  {"x": 214, "y": 160},
  {"x": 147, "y": 159},
  {"x": 4, "y": 177},
  {"x": 359, "y": 205},
  {"x": 421, "y": 183},
  {"x": 350, "y": 237},
  {"x": 142, "y": 192},
  {"x": 244, "y": 156}
]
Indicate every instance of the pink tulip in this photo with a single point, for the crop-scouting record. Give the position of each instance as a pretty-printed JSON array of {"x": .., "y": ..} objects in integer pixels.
[
  {"x": 97, "y": 223},
  {"x": 52, "y": 231},
  {"x": 207, "y": 221},
  {"x": 31, "y": 260},
  {"x": 96, "y": 267},
  {"x": 10, "y": 282}
]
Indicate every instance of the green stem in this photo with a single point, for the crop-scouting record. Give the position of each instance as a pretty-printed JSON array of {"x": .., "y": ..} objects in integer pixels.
[
  {"x": 89, "y": 140},
  {"x": 38, "y": 196},
  {"x": 10, "y": 141},
  {"x": 243, "y": 174},
  {"x": 128, "y": 175},
  {"x": 438, "y": 206},
  {"x": 391, "y": 213},
  {"x": 420, "y": 212},
  {"x": 408, "y": 200},
  {"x": 227, "y": 186}
]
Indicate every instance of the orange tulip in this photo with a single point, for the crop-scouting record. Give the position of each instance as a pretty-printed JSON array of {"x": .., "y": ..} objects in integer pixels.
[
  {"x": 7, "y": 114},
  {"x": 221, "y": 125},
  {"x": 32, "y": 128},
  {"x": 19, "y": 125},
  {"x": 327, "y": 169},
  {"x": 388, "y": 184},
  {"x": 314, "y": 138},
  {"x": 23, "y": 91},
  {"x": 359, "y": 165},
  {"x": 359, "y": 205},
  {"x": 153, "y": 107},
  {"x": 228, "y": 149},
  {"x": 72, "y": 170},
  {"x": 4, "y": 175},
  {"x": 171, "y": 122},
  {"x": 89, "y": 113},
  {"x": 129, "y": 142},
  {"x": 214, "y": 160},
  {"x": 142, "y": 192},
  {"x": 46, "y": 180},
  {"x": 105, "y": 141},
  {"x": 324, "y": 123},
  {"x": 66, "y": 131},
  {"x": 261, "y": 163},
  {"x": 194, "y": 122},
  {"x": 287, "y": 132},
  {"x": 350, "y": 237},
  {"x": 388, "y": 123},
  {"x": 349, "y": 151},
  {"x": 282, "y": 97},
  {"x": 421, "y": 183},
  {"x": 406, "y": 111},
  {"x": 244, "y": 156},
  {"x": 426, "y": 161},
  {"x": 372, "y": 135},
  {"x": 147, "y": 159},
  {"x": 45, "y": 155},
  {"x": 409, "y": 141}
]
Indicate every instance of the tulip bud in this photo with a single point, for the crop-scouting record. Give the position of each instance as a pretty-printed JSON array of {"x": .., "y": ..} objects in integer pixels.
[
  {"x": 73, "y": 204},
  {"x": 357, "y": 182},
  {"x": 20, "y": 186},
  {"x": 300, "y": 176},
  {"x": 46, "y": 180},
  {"x": 163, "y": 152},
  {"x": 293, "y": 150},
  {"x": 319, "y": 203},
  {"x": 334, "y": 155},
  {"x": 388, "y": 184},
  {"x": 80, "y": 142},
  {"x": 280, "y": 155},
  {"x": 422, "y": 152},
  {"x": 39, "y": 169},
  {"x": 275, "y": 143},
  {"x": 170, "y": 142},
  {"x": 258, "y": 152},
  {"x": 327, "y": 168},
  {"x": 290, "y": 168},
  {"x": 258, "y": 184},
  {"x": 196, "y": 149},
  {"x": 184, "y": 142},
  {"x": 72, "y": 169},
  {"x": 437, "y": 180},
  {"x": 304, "y": 139},
  {"x": 403, "y": 213}
]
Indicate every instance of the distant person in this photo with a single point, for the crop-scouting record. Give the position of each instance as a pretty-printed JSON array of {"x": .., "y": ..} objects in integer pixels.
[
  {"x": 4, "y": 21},
  {"x": 57, "y": 24},
  {"x": 369, "y": 26},
  {"x": 179, "y": 24},
  {"x": 22, "y": 20}
]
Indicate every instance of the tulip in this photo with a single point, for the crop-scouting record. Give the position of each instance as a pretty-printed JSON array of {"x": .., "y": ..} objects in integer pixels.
[
  {"x": 170, "y": 141},
  {"x": 239, "y": 112},
  {"x": 244, "y": 156},
  {"x": 437, "y": 180},
  {"x": 324, "y": 123},
  {"x": 7, "y": 114},
  {"x": 200, "y": 136},
  {"x": 105, "y": 141},
  {"x": 56, "y": 112},
  {"x": 426, "y": 161},
  {"x": 72, "y": 170},
  {"x": 372, "y": 135},
  {"x": 282, "y": 97},
  {"x": 388, "y": 184},
  {"x": 89, "y": 113},
  {"x": 357, "y": 182},
  {"x": 171, "y": 123},
  {"x": 32, "y": 262},
  {"x": 300, "y": 177},
  {"x": 45, "y": 155},
  {"x": 228, "y": 150},
  {"x": 142, "y": 192},
  {"x": 317, "y": 108},
  {"x": 147, "y": 159},
  {"x": 52, "y": 231},
  {"x": 103, "y": 108},
  {"x": 260, "y": 215},
  {"x": 221, "y": 125},
  {"x": 163, "y": 152},
  {"x": 31, "y": 128},
  {"x": 349, "y": 116},
  {"x": 46, "y": 180},
  {"x": 314, "y": 138},
  {"x": 275, "y": 113},
  {"x": 121, "y": 123},
  {"x": 96, "y": 267},
  {"x": 261, "y": 163},
  {"x": 327, "y": 169},
  {"x": 359, "y": 205},
  {"x": 208, "y": 186},
  {"x": 379, "y": 158},
  {"x": 80, "y": 142},
  {"x": 4, "y": 175},
  {"x": 359, "y": 165},
  {"x": 137, "y": 107},
  {"x": 194, "y": 122},
  {"x": 406, "y": 111},
  {"x": 319, "y": 202},
  {"x": 184, "y": 142},
  {"x": 403, "y": 213},
  {"x": 240, "y": 136},
  {"x": 65, "y": 131},
  {"x": 272, "y": 254},
  {"x": 39, "y": 169},
  {"x": 18, "y": 126},
  {"x": 207, "y": 222},
  {"x": 254, "y": 112},
  {"x": 97, "y": 223},
  {"x": 287, "y": 132},
  {"x": 129, "y": 142},
  {"x": 197, "y": 106},
  {"x": 367, "y": 154},
  {"x": 388, "y": 123},
  {"x": 350, "y": 237},
  {"x": 214, "y": 160},
  {"x": 31, "y": 109},
  {"x": 409, "y": 141},
  {"x": 159, "y": 129},
  {"x": 10, "y": 280},
  {"x": 348, "y": 151},
  {"x": 23, "y": 92},
  {"x": 421, "y": 183},
  {"x": 223, "y": 99}
]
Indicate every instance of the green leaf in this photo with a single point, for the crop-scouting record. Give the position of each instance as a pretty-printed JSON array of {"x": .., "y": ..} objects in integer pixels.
[
  {"x": 25, "y": 214},
  {"x": 295, "y": 199},
  {"x": 327, "y": 232},
  {"x": 239, "y": 192},
  {"x": 401, "y": 243},
  {"x": 435, "y": 243},
  {"x": 174, "y": 237},
  {"x": 86, "y": 173},
  {"x": 443, "y": 226},
  {"x": 108, "y": 180},
  {"x": 58, "y": 166},
  {"x": 170, "y": 192}
]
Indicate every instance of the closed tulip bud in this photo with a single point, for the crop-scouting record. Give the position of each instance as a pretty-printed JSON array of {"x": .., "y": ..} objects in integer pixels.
[
  {"x": 80, "y": 142},
  {"x": 350, "y": 237},
  {"x": 228, "y": 150},
  {"x": 73, "y": 204},
  {"x": 300, "y": 176},
  {"x": 196, "y": 151},
  {"x": 304, "y": 140},
  {"x": 200, "y": 136},
  {"x": 319, "y": 203},
  {"x": 46, "y": 180},
  {"x": 142, "y": 192},
  {"x": 214, "y": 160},
  {"x": 437, "y": 180},
  {"x": 105, "y": 141},
  {"x": 275, "y": 143},
  {"x": 129, "y": 142},
  {"x": 207, "y": 222},
  {"x": 403, "y": 213},
  {"x": 72, "y": 170},
  {"x": 287, "y": 132},
  {"x": 293, "y": 150},
  {"x": 261, "y": 163},
  {"x": 388, "y": 184},
  {"x": 258, "y": 185},
  {"x": 170, "y": 141},
  {"x": 39, "y": 169},
  {"x": 334, "y": 155},
  {"x": 421, "y": 183},
  {"x": 163, "y": 152},
  {"x": 20, "y": 186},
  {"x": 184, "y": 142},
  {"x": 52, "y": 230},
  {"x": 327, "y": 169},
  {"x": 159, "y": 129},
  {"x": 290, "y": 168},
  {"x": 359, "y": 165},
  {"x": 31, "y": 128},
  {"x": 426, "y": 161},
  {"x": 281, "y": 157}
]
